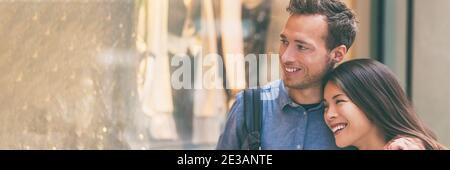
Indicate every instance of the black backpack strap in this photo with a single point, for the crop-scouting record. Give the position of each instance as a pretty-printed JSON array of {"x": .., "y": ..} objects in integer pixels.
[{"x": 253, "y": 118}]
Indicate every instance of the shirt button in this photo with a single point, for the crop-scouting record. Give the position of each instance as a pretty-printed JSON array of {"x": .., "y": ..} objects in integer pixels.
[
  {"x": 304, "y": 113},
  {"x": 299, "y": 147}
]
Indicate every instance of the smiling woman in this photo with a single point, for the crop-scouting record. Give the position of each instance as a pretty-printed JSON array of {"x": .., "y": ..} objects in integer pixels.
[{"x": 366, "y": 107}]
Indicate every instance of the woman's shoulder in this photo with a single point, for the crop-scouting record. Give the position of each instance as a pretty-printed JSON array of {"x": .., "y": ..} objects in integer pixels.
[{"x": 405, "y": 143}]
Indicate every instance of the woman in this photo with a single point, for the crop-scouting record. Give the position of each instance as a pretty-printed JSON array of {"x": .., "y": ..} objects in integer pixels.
[{"x": 365, "y": 107}]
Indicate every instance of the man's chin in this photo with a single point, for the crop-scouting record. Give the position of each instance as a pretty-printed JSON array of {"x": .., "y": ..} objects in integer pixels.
[
  {"x": 292, "y": 84},
  {"x": 298, "y": 85}
]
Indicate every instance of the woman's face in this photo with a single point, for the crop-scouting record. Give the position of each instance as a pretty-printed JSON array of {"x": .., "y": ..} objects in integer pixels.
[{"x": 349, "y": 124}]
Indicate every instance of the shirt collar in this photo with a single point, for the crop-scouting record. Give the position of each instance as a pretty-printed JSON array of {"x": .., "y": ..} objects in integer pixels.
[{"x": 284, "y": 98}]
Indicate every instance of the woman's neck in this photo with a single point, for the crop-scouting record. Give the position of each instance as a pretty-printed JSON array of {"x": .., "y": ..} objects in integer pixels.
[{"x": 374, "y": 140}]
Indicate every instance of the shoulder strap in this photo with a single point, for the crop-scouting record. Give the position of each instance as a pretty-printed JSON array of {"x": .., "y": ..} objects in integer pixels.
[{"x": 253, "y": 120}]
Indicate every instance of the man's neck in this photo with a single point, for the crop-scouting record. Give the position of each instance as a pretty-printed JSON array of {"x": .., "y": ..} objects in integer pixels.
[{"x": 311, "y": 95}]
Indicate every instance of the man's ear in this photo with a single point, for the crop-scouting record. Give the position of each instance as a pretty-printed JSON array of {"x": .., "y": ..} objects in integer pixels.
[{"x": 338, "y": 53}]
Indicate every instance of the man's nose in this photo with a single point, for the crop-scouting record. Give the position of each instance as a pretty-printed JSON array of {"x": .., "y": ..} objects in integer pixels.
[{"x": 288, "y": 56}]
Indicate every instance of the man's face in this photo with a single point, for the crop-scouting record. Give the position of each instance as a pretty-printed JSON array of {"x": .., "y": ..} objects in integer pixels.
[{"x": 304, "y": 57}]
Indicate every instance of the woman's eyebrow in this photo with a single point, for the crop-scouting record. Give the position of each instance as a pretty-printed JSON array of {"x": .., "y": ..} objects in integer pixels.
[{"x": 337, "y": 95}]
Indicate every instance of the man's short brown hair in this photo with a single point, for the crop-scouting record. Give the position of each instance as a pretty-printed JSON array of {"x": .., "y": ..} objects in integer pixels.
[{"x": 341, "y": 20}]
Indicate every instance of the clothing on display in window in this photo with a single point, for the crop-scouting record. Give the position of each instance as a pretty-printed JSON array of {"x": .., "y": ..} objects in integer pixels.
[{"x": 155, "y": 91}]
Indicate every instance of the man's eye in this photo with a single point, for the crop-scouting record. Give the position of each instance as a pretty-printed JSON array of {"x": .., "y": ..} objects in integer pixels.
[
  {"x": 284, "y": 42},
  {"x": 301, "y": 47}
]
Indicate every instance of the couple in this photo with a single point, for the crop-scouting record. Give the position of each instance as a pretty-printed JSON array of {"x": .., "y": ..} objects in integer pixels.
[{"x": 359, "y": 104}]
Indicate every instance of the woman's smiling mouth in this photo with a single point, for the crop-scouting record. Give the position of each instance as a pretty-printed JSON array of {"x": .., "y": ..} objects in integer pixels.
[{"x": 338, "y": 127}]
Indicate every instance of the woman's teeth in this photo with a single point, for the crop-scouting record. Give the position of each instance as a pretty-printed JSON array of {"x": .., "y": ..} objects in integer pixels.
[
  {"x": 291, "y": 70},
  {"x": 338, "y": 127}
]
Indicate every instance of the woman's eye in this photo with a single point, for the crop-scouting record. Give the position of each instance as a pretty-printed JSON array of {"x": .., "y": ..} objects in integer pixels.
[
  {"x": 284, "y": 42},
  {"x": 325, "y": 107},
  {"x": 339, "y": 101}
]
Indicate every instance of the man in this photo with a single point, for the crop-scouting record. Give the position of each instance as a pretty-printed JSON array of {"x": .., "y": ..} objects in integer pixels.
[{"x": 317, "y": 35}]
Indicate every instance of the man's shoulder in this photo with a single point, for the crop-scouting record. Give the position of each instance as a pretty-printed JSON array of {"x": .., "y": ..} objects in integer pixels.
[
  {"x": 271, "y": 91},
  {"x": 268, "y": 89},
  {"x": 268, "y": 92},
  {"x": 272, "y": 85}
]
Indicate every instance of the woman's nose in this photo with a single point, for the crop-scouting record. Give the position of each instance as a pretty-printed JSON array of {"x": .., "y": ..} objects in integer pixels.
[{"x": 330, "y": 114}]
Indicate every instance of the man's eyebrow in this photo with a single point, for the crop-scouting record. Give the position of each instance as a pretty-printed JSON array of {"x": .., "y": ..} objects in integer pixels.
[
  {"x": 302, "y": 42},
  {"x": 282, "y": 36}
]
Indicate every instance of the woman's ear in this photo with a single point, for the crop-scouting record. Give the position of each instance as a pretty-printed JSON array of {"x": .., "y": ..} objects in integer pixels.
[{"x": 338, "y": 53}]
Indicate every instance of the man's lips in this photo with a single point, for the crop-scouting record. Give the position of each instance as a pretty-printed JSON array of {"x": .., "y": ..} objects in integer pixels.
[{"x": 292, "y": 69}]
